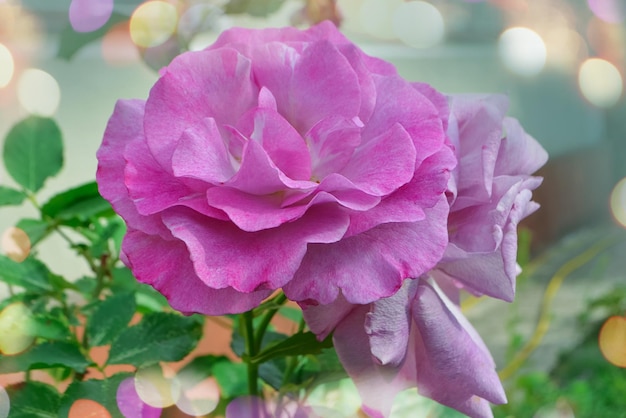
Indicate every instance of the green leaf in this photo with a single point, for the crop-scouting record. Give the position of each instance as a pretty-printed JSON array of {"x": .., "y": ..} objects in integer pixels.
[
  {"x": 36, "y": 229},
  {"x": 232, "y": 378},
  {"x": 298, "y": 344},
  {"x": 71, "y": 41},
  {"x": 30, "y": 274},
  {"x": 48, "y": 327},
  {"x": 158, "y": 337},
  {"x": 33, "y": 151},
  {"x": 77, "y": 205},
  {"x": 200, "y": 368},
  {"x": 110, "y": 318},
  {"x": 11, "y": 197},
  {"x": 45, "y": 356},
  {"x": 102, "y": 391},
  {"x": 291, "y": 313},
  {"x": 33, "y": 399}
]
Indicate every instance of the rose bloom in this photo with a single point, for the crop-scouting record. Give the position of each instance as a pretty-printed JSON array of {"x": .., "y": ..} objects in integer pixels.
[
  {"x": 278, "y": 158},
  {"x": 419, "y": 337}
]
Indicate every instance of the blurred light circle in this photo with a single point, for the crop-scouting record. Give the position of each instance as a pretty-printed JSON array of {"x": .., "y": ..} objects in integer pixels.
[
  {"x": 155, "y": 389},
  {"x": 15, "y": 244},
  {"x": 611, "y": 11},
  {"x": 198, "y": 398},
  {"x": 7, "y": 66},
  {"x": 197, "y": 19},
  {"x": 522, "y": 51},
  {"x": 118, "y": 49},
  {"x": 83, "y": 408},
  {"x": 600, "y": 82},
  {"x": 612, "y": 340},
  {"x": 15, "y": 323},
  {"x": 152, "y": 23},
  {"x": 89, "y": 15},
  {"x": 130, "y": 404},
  {"x": 38, "y": 92},
  {"x": 618, "y": 202},
  {"x": 5, "y": 403},
  {"x": 418, "y": 24},
  {"x": 376, "y": 17}
]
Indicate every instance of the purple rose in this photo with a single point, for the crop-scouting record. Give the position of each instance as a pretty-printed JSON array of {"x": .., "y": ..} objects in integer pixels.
[
  {"x": 418, "y": 337},
  {"x": 274, "y": 159}
]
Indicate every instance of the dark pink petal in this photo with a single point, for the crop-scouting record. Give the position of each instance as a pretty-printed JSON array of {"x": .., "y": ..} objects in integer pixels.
[
  {"x": 166, "y": 266},
  {"x": 223, "y": 255},
  {"x": 258, "y": 175},
  {"x": 124, "y": 127},
  {"x": 373, "y": 264},
  {"x": 332, "y": 142},
  {"x": 407, "y": 204},
  {"x": 153, "y": 190},
  {"x": 439, "y": 100},
  {"x": 283, "y": 144},
  {"x": 454, "y": 367},
  {"x": 201, "y": 154},
  {"x": 398, "y": 102},
  {"x": 308, "y": 86},
  {"x": 384, "y": 163},
  {"x": 130, "y": 404},
  {"x": 196, "y": 85}
]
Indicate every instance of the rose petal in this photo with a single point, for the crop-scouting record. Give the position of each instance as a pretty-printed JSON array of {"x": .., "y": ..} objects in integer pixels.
[
  {"x": 193, "y": 87},
  {"x": 380, "y": 258},
  {"x": 220, "y": 251},
  {"x": 165, "y": 265},
  {"x": 519, "y": 154}
]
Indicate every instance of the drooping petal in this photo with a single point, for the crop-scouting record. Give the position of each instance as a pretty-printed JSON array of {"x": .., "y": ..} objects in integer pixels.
[
  {"x": 519, "y": 154},
  {"x": 454, "y": 367},
  {"x": 166, "y": 266}
]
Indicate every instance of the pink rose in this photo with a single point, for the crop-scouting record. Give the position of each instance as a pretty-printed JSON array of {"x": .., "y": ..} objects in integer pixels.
[
  {"x": 274, "y": 159},
  {"x": 418, "y": 337}
]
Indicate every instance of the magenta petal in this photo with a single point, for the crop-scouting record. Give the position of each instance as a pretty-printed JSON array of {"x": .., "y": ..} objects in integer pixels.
[
  {"x": 130, "y": 404},
  {"x": 201, "y": 154},
  {"x": 381, "y": 258},
  {"x": 122, "y": 130},
  {"x": 284, "y": 145},
  {"x": 216, "y": 77},
  {"x": 305, "y": 88},
  {"x": 165, "y": 265},
  {"x": 383, "y": 164},
  {"x": 449, "y": 354},
  {"x": 219, "y": 250}
]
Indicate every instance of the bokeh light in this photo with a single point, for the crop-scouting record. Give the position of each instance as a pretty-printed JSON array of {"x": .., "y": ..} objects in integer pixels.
[
  {"x": 618, "y": 202},
  {"x": 117, "y": 46},
  {"x": 15, "y": 244},
  {"x": 611, "y": 11},
  {"x": 418, "y": 24},
  {"x": 522, "y": 51},
  {"x": 5, "y": 403},
  {"x": 38, "y": 92},
  {"x": 7, "y": 66},
  {"x": 376, "y": 17},
  {"x": 198, "y": 398},
  {"x": 89, "y": 15},
  {"x": 130, "y": 404},
  {"x": 612, "y": 340},
  {"x": 155, "y": 389},
  {"x": 15, "y": 325},
  {"x": 152, "y": 23},
  {"x": 86, "y": 408},
  {"x": 600, "y": 82}
]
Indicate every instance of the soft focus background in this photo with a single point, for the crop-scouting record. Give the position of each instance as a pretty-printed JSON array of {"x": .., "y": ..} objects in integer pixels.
[{"x": 561, "y": 62}]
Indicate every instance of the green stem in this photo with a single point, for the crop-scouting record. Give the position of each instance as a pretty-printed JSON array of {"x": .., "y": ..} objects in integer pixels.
[
  {"x": 267, "y": 318},
  {"x": 251, "y": 351}
]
